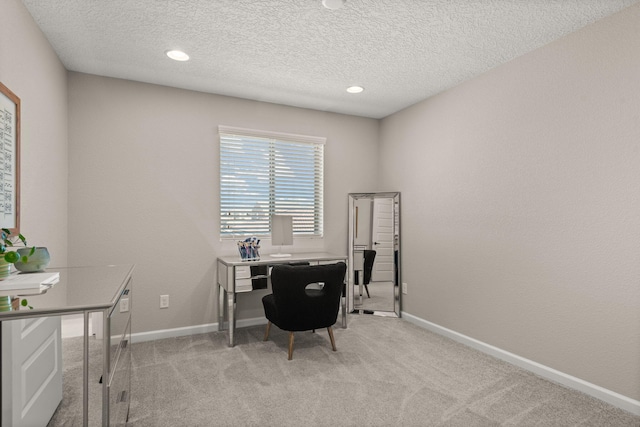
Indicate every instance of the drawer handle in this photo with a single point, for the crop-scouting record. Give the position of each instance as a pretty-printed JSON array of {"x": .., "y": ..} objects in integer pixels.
[
  {"x": 122, "y": 396},
  {"x": 124, "y": 343}
]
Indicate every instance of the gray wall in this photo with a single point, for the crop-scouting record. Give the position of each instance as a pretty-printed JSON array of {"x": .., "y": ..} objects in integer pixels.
[
  {"x": 144, "y": 183},
  {"x": 30, "y": 69},
  {"x": 521, "y": 201}
]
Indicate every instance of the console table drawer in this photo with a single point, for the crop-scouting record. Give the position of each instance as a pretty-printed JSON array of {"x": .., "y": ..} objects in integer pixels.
[
  {"x": 118, "y": 320},
  {"x": 120, "y": 382}
]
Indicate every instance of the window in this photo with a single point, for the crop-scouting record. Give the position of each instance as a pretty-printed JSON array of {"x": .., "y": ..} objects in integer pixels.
[{"x": 264, "y": 173}]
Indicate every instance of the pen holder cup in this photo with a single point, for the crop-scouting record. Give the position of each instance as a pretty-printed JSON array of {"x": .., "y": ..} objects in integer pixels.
[{"x": 248, "y": 251}]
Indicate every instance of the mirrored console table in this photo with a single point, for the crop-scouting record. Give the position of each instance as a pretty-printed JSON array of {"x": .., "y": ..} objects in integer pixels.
[{"x": 107, "y": 290}]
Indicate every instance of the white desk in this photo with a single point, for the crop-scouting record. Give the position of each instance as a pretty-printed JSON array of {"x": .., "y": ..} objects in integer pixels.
[{"x": 232, "y": 271}]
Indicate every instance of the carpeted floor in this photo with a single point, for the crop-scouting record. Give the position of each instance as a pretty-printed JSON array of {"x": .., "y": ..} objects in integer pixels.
[
  {"x": 386, "y": 372},
  {"x": 381, "y": 297}
]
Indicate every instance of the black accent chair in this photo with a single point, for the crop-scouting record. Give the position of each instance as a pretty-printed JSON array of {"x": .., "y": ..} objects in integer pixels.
[
  {"x": 369, "y": 258},
  {"x": 292, "y": 307},
  {"x": 263, "y": 270}
]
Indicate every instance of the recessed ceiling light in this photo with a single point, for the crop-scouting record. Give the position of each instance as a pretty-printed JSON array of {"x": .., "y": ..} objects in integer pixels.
[
  {"x": 355, "y": 89},
  {"x": 177, "y": 55},
  {"x": 333, "y": 4}
]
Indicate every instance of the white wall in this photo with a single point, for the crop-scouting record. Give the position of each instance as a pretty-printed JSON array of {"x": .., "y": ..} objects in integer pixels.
[
  {"x": 144, "y": 183},
  {"x": 30, "y": 69},
  {"x": 521, "y": 204}
]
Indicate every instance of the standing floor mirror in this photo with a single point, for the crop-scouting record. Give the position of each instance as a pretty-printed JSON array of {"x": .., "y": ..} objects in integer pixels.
[{"x": 374, "y": 254}]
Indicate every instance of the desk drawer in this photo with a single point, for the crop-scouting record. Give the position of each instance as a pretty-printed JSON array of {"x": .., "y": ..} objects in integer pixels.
[
  {"x": 243, "y": 285},
  {"x": 243, "y": 272}
]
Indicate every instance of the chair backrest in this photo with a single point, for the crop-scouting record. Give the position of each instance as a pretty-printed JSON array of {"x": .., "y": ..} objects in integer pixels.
[
  {"x": 301, "y": 309},
  {"x": 369, "y": 258}
]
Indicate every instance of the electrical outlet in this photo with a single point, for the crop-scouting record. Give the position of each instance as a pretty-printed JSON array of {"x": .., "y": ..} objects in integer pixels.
[
  {"x": 404, "y": 288},
  {"x": 164, "y": 301},
  {"x": 124, "y": 305}
]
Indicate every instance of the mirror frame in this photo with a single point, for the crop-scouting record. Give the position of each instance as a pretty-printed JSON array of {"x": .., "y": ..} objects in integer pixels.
[{"x": 353, "y": 197}]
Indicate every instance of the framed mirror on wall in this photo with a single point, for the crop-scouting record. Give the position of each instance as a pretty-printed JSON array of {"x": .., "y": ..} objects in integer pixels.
[{"x": 374, "y": 275}]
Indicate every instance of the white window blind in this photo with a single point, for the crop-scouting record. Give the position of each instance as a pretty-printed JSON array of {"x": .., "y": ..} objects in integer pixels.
[{"x": 264, "y": 173}]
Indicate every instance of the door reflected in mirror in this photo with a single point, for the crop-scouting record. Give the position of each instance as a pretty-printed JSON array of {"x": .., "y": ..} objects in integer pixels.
[{"x": 374, "y": 253}]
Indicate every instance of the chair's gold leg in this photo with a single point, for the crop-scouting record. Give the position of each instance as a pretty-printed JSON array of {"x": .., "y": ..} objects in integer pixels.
[
  {"x": 266, "y": 333},
  {"x": 333, "y": 341},
  {"x": 290, "y": 345}
]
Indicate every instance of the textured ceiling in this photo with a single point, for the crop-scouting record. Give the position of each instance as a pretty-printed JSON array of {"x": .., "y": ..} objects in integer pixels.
[{"x": 295, "y": 52}]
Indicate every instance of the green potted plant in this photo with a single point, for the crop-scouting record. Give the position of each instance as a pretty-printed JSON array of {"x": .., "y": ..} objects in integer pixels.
[{"x": 7, "y": 256}]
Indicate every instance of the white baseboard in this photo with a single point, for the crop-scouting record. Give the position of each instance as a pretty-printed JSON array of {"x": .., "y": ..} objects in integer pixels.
[
  {"x": 191, "y": 330},
  {"x": 611, "y": 397}
]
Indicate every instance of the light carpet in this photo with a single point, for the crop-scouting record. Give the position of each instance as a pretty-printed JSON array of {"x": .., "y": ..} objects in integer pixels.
[
  {"x": 381, "y": 297},
  {"x": 386, "y": 372}
]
